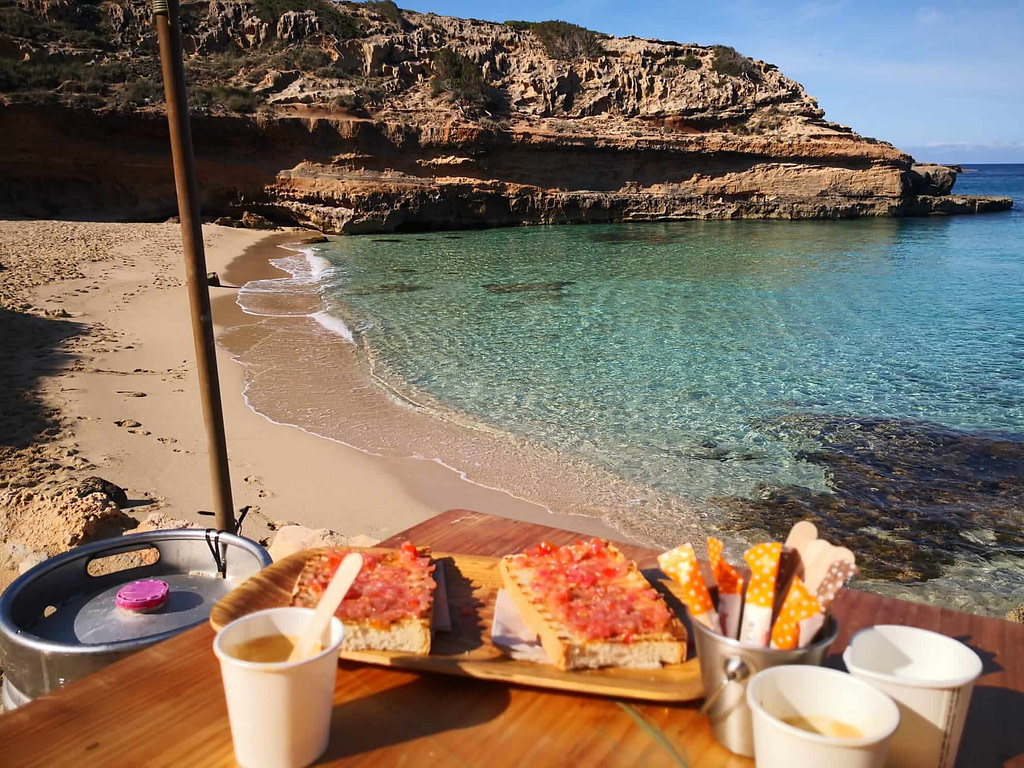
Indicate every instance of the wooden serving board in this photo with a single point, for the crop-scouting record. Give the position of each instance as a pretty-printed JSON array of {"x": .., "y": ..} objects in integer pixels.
[{"x": 472, "y": 586}]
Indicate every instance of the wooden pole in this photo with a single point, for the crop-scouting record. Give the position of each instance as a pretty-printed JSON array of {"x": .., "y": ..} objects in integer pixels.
[{"x": 167, "y": 16}]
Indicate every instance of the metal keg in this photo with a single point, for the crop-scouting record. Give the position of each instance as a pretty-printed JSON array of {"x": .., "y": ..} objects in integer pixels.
[{"x": 58, "y": 622}]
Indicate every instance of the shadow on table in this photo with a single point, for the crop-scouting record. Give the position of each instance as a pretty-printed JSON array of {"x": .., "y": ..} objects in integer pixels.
[
  {"x": 415, "y": 710},
  {"x": 994, "y": 733}
]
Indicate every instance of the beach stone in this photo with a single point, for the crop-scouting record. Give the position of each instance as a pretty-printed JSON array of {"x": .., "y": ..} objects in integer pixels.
[
  {"x": 295, "y": 538},
  {"x": 34, "y": 558},
  {"x": 96, "y": 484},
  {"x": 1016, "y": 615},
  {"x": 212, "y": 278},
  {"x": 252, "y": 220},
  {"x": 226, "y": 221}
]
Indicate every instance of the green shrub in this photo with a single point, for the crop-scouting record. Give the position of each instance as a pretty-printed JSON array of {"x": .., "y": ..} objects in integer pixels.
[
  {"x": 83, "y": 31},
  {"x": 386, "y": 9},
  {"x": 729, "y": 61},
  {"x": 562, "y": 40},
  {"x": 234, "y": 99},
  {"x": 140, "y": 92},
  {"x": 308, "y": 59},
  {"x": 458, "y": 75},
  {"x": 689, "y": 61},
  {"x": 71, "y": 75}
]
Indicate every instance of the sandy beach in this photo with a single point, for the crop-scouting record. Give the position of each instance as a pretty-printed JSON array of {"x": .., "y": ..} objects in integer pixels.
[{"x": 102, "y": 382}]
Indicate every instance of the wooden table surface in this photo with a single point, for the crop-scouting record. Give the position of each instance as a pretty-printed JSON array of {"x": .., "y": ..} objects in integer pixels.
[{"x": 165, "y": 705}]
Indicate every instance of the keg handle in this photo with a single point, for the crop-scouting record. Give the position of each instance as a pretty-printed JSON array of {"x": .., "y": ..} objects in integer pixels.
[{"x": 736, "y": 670}]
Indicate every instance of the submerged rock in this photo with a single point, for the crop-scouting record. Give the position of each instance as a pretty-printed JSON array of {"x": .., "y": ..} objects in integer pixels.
[
  {"x": 909, "y": 497},
  {"x": 527, "y": 287}
]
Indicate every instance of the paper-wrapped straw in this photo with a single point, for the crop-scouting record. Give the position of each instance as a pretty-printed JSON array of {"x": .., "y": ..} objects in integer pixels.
[
  {"x": 730, "y": 589},
  {"x": 763, "y": 560},
  {"x": 800, "y": 619},
  {"x": 837, "y": 575},
  {"x": 680, "y": 564}
]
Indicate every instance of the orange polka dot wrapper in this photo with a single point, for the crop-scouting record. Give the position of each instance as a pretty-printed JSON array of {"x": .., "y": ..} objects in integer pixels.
[
  {"x": 680, "y": 565},
  {"x": 763, "y": 560},
  {"x": 730, "y": 589},
  {"x": 799, "y": 620}
]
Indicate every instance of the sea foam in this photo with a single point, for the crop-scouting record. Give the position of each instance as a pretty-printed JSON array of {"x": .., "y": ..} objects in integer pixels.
[
  {"x": 334, "y": 324},
  {"x": 299, "y": 295}
]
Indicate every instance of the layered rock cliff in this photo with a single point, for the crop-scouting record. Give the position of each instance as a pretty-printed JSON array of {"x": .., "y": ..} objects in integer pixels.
[{"x": 361, "y": 117}]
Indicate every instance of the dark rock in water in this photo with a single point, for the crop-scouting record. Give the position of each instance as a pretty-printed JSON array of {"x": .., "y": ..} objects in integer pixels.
[
  {"x": 213, "y": 279},
  {"x": 388, "y": 288},
  {"x": 403, "y": 270},
  {"x": 96, "y": 484},
  {"x": 453, "y": 237},
  {"x": 526, "y": 287},
  {"x": 311, "y": 240},
  {"x": 385, "y": 240},
  {"x": 909, "y": 497}
]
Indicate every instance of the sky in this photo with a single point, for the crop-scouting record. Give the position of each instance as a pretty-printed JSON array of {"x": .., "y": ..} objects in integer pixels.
[{"x": 943, "y": 81}]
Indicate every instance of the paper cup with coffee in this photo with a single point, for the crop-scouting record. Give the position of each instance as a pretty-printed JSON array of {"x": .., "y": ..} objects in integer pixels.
[
  {"x": 808, "y": 717},
  {"x": 280, "y": 711},
  {"x": 931, "y": 678}
]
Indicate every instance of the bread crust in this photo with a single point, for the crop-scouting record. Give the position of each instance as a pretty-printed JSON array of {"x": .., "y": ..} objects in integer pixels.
[{"x": 568, "y": 652}]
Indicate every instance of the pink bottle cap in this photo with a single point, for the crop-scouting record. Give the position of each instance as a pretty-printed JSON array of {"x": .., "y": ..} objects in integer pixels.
[{"x": 143, "y": 596}]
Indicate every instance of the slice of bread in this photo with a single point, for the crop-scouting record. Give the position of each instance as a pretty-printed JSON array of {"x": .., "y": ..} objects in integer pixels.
[
  {"x": 569, "y": 651},
  {"x": 408, "y": 636}
]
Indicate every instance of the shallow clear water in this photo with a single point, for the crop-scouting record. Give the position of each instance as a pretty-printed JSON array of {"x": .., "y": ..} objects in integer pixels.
[{"x": 703, "y": 358}]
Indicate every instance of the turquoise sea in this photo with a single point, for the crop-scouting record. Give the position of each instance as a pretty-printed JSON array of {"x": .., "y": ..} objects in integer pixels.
[{"x": 866, "y": 374}]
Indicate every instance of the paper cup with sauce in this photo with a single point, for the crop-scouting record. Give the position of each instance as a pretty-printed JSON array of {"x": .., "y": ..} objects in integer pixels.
[
  {"x": 280, "y": 712},
  {"x": 808, "y": 717},
  {"x": 931, "y": 678}
]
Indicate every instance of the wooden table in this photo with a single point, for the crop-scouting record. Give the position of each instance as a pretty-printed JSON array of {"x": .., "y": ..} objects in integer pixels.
[{"x": 165, "y": 705}]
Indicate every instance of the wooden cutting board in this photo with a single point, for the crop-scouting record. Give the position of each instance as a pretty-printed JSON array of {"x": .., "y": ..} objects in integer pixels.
[{"x": 472, "y": 585}]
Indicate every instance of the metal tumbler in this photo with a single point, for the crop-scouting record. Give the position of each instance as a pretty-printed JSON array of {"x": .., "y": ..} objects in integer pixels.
[{"x": 725, "y": 667}]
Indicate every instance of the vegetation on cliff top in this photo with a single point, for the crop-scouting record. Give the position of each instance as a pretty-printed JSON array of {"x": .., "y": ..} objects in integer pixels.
[
  {"x": 561, "y": 39},
  {"x": 253, "y": 55}
]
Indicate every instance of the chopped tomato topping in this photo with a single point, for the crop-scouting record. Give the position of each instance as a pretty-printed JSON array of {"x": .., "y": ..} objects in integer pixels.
[
  {"x": 390, "y": 587},
  {"x": 408, "y": 549},
  {"x": 586, "y": 586}
]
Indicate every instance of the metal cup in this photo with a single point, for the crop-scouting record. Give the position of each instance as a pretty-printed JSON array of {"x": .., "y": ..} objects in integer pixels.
[{"x": 725, "y": 667}]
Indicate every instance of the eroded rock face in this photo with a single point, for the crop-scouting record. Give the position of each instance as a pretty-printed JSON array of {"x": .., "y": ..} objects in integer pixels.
[
  {"x": 931, "y": 179},
  {"x": 350, "y": 136}
]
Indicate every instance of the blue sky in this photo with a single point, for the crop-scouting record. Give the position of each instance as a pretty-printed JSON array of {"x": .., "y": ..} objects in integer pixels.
[{"x": 943, "y": 81}]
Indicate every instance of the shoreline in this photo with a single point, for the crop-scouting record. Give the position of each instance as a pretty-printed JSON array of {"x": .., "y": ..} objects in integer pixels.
[
  {"x": 428, "y": 481},
  {"x": 119, "y": 391}
]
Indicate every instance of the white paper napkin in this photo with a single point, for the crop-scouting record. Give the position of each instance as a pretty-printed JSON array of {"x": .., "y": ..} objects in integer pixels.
[{"x": 510, "y": 633}]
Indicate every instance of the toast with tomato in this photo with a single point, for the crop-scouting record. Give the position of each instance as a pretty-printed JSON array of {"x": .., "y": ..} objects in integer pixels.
[
  {"x": 591, "y": 607},
  {"x": 390, "y": 604}
]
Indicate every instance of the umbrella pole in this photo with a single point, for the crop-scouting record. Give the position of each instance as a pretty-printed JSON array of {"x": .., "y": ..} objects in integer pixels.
[{"x": 167, "y": 17}]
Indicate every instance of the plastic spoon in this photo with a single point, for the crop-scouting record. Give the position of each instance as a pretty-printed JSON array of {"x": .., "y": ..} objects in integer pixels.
[{"x": 329, "y": 602}]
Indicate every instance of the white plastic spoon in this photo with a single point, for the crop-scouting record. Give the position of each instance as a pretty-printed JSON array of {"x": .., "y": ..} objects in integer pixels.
[{"x": 329, "y": 602}]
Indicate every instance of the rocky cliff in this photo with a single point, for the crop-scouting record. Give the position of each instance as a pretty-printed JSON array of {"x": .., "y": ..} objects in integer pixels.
[{"x": 364, "y": 118}]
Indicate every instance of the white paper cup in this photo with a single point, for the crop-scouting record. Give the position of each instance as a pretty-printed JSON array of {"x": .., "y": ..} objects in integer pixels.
[
  {"x": 930, "y": 676},
  {"x": 803, "y": 691},
  {"x": 280, "y": 713}
]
